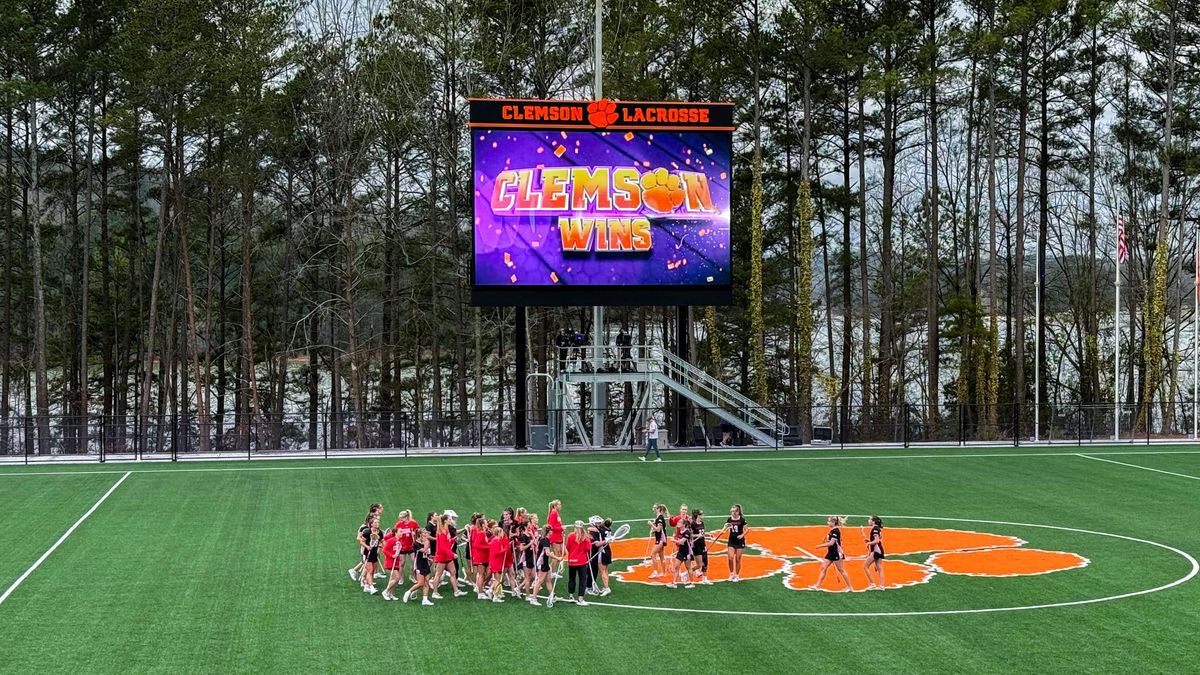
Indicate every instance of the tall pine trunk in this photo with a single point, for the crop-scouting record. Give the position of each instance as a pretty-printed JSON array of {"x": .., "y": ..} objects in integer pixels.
[{"x": 39, "y": 294}]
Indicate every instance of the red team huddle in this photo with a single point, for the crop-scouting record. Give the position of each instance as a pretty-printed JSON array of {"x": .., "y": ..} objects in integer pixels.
[
  {"x": 527, "y": 557},
  {"x": 515, "y": 552}
]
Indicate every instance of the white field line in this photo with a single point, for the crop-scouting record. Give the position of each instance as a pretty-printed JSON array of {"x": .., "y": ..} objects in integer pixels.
[
  {"x": 401, "y": 464},
  {"x": 1135, "y": 466},
  {"x": 61, "y": 539}
]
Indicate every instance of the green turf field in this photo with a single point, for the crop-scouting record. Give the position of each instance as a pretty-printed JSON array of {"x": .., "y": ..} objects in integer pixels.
[{"x": 241, "y": 566}]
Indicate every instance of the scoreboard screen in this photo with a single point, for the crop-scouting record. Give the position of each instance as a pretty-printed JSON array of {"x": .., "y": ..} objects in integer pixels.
[{"x": 601, "y": 202}]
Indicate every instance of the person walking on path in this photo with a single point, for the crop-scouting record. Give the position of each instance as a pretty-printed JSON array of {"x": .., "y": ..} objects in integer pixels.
[{"x": 652, "y": 441}]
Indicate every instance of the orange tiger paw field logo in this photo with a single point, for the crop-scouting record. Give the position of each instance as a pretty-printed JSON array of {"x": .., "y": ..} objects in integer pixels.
[{"x": 790, "y": 551}]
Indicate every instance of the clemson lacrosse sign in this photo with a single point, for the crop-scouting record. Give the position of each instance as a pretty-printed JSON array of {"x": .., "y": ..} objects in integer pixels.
[{"x": 576, "y": 199}]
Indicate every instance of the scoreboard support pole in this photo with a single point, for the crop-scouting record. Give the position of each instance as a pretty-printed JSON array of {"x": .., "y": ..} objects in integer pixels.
[
  {"x": 521, "y": 408},
  {"x": 683, "y": 336},
  {"x": 599, "y": 389}
]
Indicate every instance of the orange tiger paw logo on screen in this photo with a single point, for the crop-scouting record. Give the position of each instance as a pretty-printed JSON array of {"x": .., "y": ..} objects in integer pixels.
[
  {"x": 662, "y": 191},
  {"x": 602, "y": 113}
]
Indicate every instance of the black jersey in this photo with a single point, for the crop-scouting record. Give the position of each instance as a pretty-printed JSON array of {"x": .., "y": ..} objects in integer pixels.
[
  {"x": 737, "y": 531},
  {"x": 453, "y": 538},
  {"x": 373, "y": 539},
  {"x": 684, "y": 550},
  {"x": 422, "y": 561},
  {"x": 834, "y": 552},
  {"x": 432, "y": 530},
  {"x": 543, "y": 555},
  {"x": 698, "y": 540},
  {"x": 876, "y": 548},
  {"x": 660, "y": 530},
  {"x": 525, "y": 551},
  {"x": 606, "y": 550},
  {"x": 364, "y": 533}
]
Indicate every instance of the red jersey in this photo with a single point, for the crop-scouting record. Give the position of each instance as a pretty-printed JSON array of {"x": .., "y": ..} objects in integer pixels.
[
  {"x": 556, "y": 528},
  {"x": 479, "y": 547},
  {"x": 406, "y": 534},
  {"x": 389, "y": 552},
  {"x": 445, "y": 548},
  {"x": 675, "y": 523},
  {"x": 578, "y": 549},
  {"x": 499, "y": 551}
]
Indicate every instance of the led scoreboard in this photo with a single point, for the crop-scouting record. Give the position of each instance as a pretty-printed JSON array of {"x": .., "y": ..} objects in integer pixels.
[{"x": 601, "y": 202}]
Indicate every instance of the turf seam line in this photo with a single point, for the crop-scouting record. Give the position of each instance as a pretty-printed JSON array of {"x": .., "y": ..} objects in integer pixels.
[
  {"x": 455, "y": 465},
  {"x": 63, "y": 538},
  {"x": 1135, "y": 466}
]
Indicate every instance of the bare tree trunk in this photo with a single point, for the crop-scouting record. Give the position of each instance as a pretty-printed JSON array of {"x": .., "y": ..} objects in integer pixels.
[
  {"x": 209, "y": 265},
  {"x": 189, "y": 343},
  {"x": 284, "y": 322},
  {"x": 1091, "y": 375},
  {"x": 249, "y": 378},
  {"x": 864, "y": 276},
  {"x": 932, "y": 348},
  {"x": 313, "y": 334},
  {"x": 107, "y": 341},
  {"x": 39, "y": 295},
  {"x": 887, "y": 303},
  {"x": 993, "y": 352},
  {"x": 6, "y": 213},
  {"x": 1018, "y": 311},
  {"x": 1155, "y": 316},
  {"x": 757, "y": 326},
  {"x": 847, "y": 277},
  {"x": 84, "y": 284},
  {"x": 164, "y": 209}
]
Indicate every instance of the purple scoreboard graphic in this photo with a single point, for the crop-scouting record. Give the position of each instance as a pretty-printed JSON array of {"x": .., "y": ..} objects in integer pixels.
[{"x": 601, "y": 202}]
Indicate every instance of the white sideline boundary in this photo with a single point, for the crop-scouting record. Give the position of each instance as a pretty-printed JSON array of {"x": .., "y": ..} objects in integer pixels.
[
  {"x": 1135, "y": 466},
  {"x": 61, "y": 539},
  {"x": 626, "y": 459}
]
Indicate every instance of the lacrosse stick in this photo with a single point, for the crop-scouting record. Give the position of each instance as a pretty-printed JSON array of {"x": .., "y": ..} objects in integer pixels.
[
  {"x": 554, "y": 581},
  {"x": 619, "y": 533},
  {"x": 810, "y": 555},
  {"x": 717, "y": 538}
]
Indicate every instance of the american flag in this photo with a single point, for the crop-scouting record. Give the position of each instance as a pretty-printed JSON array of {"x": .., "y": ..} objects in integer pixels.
[{"x": 1122, "y": 247}]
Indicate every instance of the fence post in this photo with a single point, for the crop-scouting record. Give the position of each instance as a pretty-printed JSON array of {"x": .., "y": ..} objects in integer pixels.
[
  {"x": 961, "y": 434},
  {"x": 904, "y": 422}
]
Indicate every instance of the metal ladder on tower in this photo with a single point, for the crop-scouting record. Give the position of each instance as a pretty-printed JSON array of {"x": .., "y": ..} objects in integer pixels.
[
  {"x": 653, "y": 365},
  {"x": 760, "y": 423}
]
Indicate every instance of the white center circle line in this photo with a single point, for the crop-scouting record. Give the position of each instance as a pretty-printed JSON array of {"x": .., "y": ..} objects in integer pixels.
[{"x": 984, "y": 610}]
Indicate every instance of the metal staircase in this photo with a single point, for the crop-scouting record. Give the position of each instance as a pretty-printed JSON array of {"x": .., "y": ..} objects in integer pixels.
[{"x": 651, "y": 365}]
